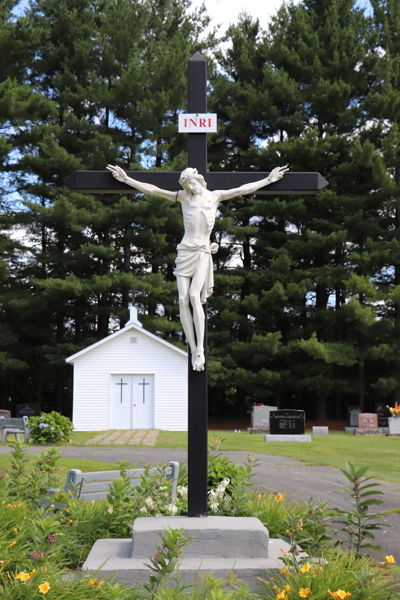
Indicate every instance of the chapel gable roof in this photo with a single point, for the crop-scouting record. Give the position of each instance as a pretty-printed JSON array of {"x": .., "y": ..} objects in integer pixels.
[{"x": 130, "y": 325}]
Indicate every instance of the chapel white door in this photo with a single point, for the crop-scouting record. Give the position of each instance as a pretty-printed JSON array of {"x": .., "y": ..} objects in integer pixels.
[
  {"x": 143, "y": 401},
  {"x": 121, "y": 394}
]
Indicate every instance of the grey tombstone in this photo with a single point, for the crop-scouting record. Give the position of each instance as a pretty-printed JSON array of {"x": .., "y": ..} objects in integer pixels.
[
  {"x": 352, "y": 415},
  {"x": 28, "y": 410},
  {"x": 316, "y": 430},
  {"x": 394, "y": 426},
  {"x": 260, "y": 419},
  {"x": 352, "y": 418}
]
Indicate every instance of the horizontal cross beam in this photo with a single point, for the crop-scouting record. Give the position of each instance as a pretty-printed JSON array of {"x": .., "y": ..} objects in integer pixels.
[{"x": 102, "y": 182}]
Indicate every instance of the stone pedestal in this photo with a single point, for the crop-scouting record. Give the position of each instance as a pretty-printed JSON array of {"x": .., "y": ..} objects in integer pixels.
[
  {"x": 376, "y": 431},
  {"x": 394, "y": 425},
  {"x": 219, "y": 545},
  {"x": 287, "y": 438}
]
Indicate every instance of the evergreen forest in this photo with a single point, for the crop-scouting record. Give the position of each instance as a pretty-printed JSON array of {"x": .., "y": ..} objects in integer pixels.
[{"x": 306, "y": 305}]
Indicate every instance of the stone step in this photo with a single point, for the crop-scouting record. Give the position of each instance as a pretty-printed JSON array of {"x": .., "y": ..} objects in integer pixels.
[{"x": 112, "y": 559}]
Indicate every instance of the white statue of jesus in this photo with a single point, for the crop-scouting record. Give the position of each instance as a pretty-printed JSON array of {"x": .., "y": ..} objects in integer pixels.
[{"x": 194, "y": 267}]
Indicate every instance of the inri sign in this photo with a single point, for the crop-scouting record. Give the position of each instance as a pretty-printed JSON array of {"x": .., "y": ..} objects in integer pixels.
[{"x": 197, "y": 123}]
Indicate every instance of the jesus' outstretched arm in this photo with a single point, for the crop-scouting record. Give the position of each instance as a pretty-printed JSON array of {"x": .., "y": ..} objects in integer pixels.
[
  {"x": 146, "y": 188},
  {"x": 251, "y": 188}
]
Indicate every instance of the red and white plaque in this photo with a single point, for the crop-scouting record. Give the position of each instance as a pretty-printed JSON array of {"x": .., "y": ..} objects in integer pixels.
[{"x": 197, "y": 123}]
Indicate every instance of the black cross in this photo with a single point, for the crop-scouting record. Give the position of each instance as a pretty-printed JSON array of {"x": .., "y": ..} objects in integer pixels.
[
  {"x": 102, "y": 182},
  {"x": 121, "y": 384},
  {"x": 144, "y": 389}
]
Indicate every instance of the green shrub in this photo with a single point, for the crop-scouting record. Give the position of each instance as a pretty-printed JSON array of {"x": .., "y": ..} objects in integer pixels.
[{"x": 50, "y": 428}]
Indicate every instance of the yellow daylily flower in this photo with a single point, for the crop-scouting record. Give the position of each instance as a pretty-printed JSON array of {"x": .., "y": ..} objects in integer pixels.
[
  {"x": 44, "y": 587},
  {"x": 339, "y": 594},
  {"x": 304, "y": 592},
  {"x": 279, "y": 497},
  {"x": 22, "y": 576},
  {"x": 306, "y": 568},
  {"x": 389, "y": 559},
  {"x": 285, "y": 570}
]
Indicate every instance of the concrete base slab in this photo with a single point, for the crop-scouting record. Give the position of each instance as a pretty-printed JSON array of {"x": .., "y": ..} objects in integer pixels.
[
  {"x": 351, "y": 429},
  {"x": 219, "y": 545},
  {"x": 287, "y": 438},
  {"x": 113, "y": 558},
  {"x": 221, "y": 537}
]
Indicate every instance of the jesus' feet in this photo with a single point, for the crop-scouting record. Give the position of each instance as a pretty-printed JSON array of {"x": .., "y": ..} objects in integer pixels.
[{"x": 198, "y": 360}]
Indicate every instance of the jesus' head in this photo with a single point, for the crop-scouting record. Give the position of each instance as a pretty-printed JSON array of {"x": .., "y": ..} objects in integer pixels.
[{"x": 189, "y": 180}]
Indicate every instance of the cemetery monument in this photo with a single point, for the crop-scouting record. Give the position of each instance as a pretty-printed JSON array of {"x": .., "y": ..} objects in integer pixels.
[{"x": 199, "y": 198}]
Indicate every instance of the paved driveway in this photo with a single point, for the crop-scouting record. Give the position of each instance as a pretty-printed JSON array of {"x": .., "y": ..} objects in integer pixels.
[{"x": 274, "y": 473}]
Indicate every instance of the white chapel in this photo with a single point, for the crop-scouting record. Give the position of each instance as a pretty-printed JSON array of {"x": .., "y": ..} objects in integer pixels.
[{"x": 131, "y": 379}]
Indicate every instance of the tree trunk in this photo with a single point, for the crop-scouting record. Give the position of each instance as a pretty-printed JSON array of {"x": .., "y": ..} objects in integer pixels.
[
  {"x": 361, "y": 385},
  {"x": 322, "y": 405},
  {"x": 127, "y": 268}
]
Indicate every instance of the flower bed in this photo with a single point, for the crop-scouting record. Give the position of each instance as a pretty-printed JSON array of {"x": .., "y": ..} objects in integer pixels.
[{"x": 40, "y": 546}]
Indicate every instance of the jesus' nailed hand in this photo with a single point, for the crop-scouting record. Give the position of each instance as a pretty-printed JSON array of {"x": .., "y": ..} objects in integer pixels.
[{"x": 194, "y": 268}]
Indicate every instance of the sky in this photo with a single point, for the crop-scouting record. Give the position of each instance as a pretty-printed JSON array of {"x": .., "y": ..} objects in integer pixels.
[{"x": 225, "y": 12}]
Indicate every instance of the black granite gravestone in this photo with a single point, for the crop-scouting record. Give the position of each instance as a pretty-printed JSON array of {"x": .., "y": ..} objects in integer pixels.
[
  {"x": 352, "y": 415},
  {"x": 383, "y": 414},
  {"x": 28, "y": 410},
  {"x": 286, "y": 422}
]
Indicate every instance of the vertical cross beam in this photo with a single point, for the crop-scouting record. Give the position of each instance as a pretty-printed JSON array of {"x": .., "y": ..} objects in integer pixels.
[
  {"x": 197, "y": 380},
  {"x": 197, "y": 103}
]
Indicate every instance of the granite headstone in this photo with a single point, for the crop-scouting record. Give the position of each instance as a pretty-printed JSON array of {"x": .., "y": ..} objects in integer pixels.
[
  {"x": 352, "y": 415},
  {"x": 367, "y": 421},
  {"x": 28, "y": 410},
  {"x": 318, "y": 430},
  {"x": 383, "y": 414},
  {"x": 5, "y": 413},
  {"x": 260, "y": 416},
  {"x": 291, "y": 422},
  {"x": 367, "y": 424}
]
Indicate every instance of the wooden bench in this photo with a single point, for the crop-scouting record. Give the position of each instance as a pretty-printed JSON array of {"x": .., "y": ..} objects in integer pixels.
[
  {"x": 15, "y": 426},
  {"x": 95, "y": 485}
]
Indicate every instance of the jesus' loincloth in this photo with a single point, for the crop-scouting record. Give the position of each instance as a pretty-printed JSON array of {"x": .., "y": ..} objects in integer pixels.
[{"x": 188, "y": 260}]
